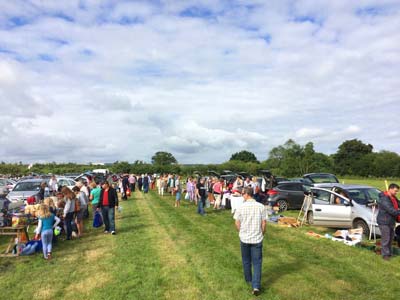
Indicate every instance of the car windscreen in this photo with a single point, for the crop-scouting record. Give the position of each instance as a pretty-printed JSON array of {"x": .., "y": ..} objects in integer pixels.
[
  {"x": 364, "y": 195},
  {"x": 27, "y": 186},
  {"x": 323, "y": 178}
]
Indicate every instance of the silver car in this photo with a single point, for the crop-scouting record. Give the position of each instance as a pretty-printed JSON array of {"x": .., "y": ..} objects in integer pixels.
[
  {"x": 25, "y": 189},
  {"x": 6, "y": 183},
  {"x": 344, "y": 206}
]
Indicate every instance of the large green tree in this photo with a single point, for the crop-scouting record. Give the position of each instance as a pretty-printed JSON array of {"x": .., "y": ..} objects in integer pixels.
[
  {"x": 350, "y": 157},
  {"x": 163, "y": 158},
  {"x": 292, "y": 159},
  {"x": 245, "y": 156}
]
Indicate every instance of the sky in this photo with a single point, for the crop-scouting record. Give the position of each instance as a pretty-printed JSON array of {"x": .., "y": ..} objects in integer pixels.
[{"x": 101, "y": 81}]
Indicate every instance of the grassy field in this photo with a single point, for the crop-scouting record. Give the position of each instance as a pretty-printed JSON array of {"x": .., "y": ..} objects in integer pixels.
[
  {"x": 162, "y": 252},
  {"x": 378, "y": 183}
]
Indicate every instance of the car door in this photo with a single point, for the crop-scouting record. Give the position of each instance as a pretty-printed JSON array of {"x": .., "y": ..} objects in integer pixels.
[
  {"x": 326, "y": 213},
  {"x": 296, "y": 195}
]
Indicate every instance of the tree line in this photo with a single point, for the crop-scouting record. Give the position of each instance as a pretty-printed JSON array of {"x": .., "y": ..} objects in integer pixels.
[{"x": 353, "y": 158}]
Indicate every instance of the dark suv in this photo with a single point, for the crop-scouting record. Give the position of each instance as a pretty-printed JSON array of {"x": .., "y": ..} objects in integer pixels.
[{"x": 288, "y": 195}]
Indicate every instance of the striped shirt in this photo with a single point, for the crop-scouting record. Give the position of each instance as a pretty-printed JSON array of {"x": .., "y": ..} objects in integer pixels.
[{"x": 251, "y": 214}]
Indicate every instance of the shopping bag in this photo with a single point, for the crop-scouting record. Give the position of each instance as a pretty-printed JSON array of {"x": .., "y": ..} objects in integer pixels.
[
  {"x": 97, "y": 220},
  {"x": 128, "y": 192},
  {"x": 187, "y": 196}
]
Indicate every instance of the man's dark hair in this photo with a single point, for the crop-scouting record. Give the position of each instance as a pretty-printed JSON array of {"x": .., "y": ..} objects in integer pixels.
[
  {"x": 76, "y": 189},
  {"x": 393, "y": 186},
  {"x": 248, "y": 190}
]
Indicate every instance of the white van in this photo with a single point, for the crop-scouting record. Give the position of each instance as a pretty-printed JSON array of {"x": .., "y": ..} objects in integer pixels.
[{"x": 102, "y": 171}]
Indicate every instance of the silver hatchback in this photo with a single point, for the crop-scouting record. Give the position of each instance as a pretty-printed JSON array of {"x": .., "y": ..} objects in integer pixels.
[
  {"x": 25, "y": 189},
  {"x": 344, "y": 206}
]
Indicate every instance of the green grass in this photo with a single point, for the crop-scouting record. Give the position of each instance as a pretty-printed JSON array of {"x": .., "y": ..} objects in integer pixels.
[
  {"x": 162, "y": 252},
  {"x": 378, "y": 183}
]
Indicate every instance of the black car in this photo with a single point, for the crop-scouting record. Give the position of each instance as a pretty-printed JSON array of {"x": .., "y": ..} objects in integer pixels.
[{"x": 287, "y": 195}]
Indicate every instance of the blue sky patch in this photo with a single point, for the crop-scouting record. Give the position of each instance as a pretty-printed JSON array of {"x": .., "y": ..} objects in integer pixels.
[
  {"x": 58, "y": 42},
  {"x": 130, "y": 21},
  {"x": 6, "y": 51},
  {"x": 17, "y": 21},
  {"x": 196, "y": 12},
  {"x": 267, "y": 38},
  {"x": 46, "y": 57},
  {"x": 86, "y": 52},
  {"x": 63, "y": 16},
  {"x": 370, "y": 11}
]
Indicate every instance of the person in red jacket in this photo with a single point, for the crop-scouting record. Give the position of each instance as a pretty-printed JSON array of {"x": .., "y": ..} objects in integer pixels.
[{"x": 107, "y": 204}]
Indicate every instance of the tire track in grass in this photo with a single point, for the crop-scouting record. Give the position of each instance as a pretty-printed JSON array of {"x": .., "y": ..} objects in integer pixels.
[
  {"x": 217, "y": 267},
  {"x": 137, "y": 264},
  {"x": 175, "y": 274}
]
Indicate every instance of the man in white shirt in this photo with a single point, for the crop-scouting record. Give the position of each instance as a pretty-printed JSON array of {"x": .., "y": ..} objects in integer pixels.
[
  {"x": 251, "y": 220},
  {"x": 53, "y": 186}
]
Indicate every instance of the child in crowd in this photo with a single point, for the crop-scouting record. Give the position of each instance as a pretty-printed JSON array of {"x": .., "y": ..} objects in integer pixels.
[
  {"x": 83, "y": 201},
  {"x": 47, "y": 222}
]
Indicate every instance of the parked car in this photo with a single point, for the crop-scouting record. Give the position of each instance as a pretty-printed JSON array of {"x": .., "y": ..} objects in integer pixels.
[
  {"x": 317, "y": 178},
  {"x": 25, "y": 189},
  {"x": 6, "y": 183},
  {"x": 344, "y": 206},
  {"x": 288, "y": 195},
  {"x": 65, "y": 181}
]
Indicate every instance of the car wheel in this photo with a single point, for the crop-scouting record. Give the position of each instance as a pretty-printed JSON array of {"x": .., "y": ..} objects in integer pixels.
[
  {"x": 363, "y": 225},
  {"x": 310, "y": 218},
  {"x": 283, "y": 206}
]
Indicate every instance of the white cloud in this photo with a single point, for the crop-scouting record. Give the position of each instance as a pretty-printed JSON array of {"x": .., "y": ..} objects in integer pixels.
[{"x": 202, "y": 79}]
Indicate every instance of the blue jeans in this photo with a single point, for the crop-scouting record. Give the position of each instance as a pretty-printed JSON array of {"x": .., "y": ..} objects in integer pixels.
[
  {"x": 47, "y": 238},
  {"x": 108, "y": 218},
  {"x": 200, "y": 206},
  {"x": 252, "y": 255}
]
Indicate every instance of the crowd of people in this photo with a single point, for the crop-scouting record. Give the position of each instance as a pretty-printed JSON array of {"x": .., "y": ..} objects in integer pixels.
[{"x": 65, "y": 210}]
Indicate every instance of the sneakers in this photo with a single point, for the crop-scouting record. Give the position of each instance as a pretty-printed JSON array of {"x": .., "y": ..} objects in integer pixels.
[
  {"x": 256, "y": 292},
  {"x": 113, "y": 232},
  {"x": 105, "y": 231}
]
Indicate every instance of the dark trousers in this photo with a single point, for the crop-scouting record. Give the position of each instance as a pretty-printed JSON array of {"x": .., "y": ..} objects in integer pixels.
[
  {"x": 68, "y": 219},
  {"x": 201, "y": 204},
  {"x": 387, "y": 235},
  {"x": 132, "y": 185},
  {"x": 124, "y": 195},
  {"x": 252, "y": 256}
]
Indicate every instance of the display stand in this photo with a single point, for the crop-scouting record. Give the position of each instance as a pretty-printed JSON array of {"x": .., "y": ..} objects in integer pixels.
[
  {"x": 307, "y": 204},
  {"x": 14, "y": 232}
]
